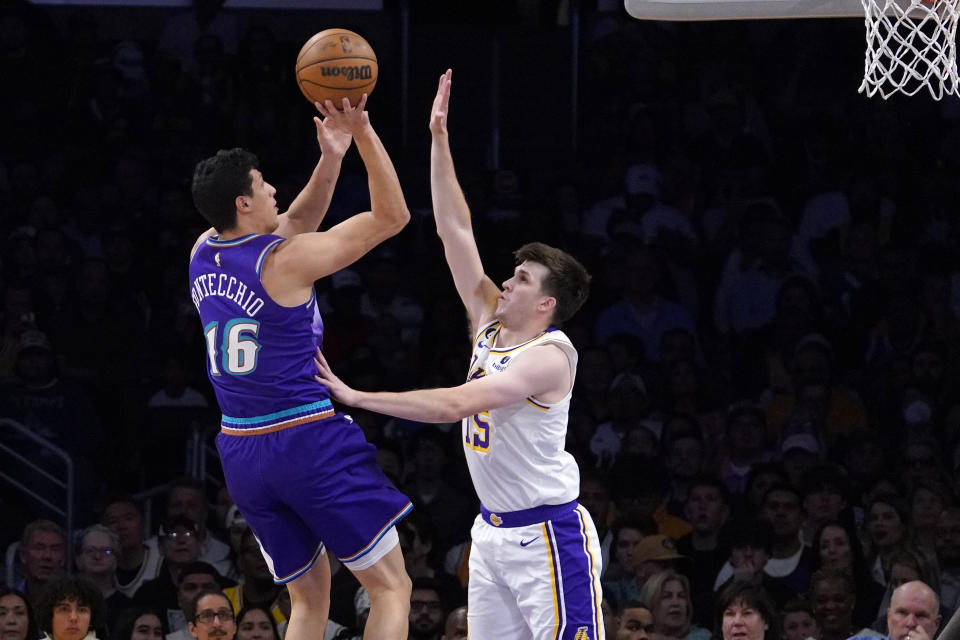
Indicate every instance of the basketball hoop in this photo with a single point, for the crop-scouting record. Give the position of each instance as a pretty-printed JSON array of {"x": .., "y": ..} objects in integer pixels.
[{"x": 911, "y": 44}]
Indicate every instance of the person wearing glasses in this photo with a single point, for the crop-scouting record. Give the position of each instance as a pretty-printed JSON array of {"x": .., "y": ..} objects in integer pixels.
[
  {"x": 210, "y": 616},
  {"x": 97, "y": 561}
]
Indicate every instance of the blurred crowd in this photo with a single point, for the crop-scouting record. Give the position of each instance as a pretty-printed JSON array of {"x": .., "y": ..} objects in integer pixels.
[{"x": 767, "y": 387}]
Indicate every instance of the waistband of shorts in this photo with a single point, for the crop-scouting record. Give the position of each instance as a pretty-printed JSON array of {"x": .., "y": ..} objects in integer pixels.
[
  {"x": 278, "y": 420},
  {"x": 525, "y": 517}
]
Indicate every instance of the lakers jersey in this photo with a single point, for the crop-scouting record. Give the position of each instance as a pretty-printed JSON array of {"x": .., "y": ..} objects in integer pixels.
[{"x": 516, "y": 453}]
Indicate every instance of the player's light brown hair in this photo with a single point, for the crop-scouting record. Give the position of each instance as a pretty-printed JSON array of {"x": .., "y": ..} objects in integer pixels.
[{"x": 567, "y": 280}]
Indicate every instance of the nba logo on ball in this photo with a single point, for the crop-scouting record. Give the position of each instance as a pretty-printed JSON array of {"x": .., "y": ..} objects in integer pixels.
[{"x": 336, "y": 64}]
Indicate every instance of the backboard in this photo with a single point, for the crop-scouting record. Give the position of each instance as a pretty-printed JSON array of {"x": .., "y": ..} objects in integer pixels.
[{"x": 742, "y": 9}]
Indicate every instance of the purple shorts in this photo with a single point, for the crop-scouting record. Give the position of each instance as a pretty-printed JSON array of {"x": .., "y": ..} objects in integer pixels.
[{"x": 307, "y": 487}]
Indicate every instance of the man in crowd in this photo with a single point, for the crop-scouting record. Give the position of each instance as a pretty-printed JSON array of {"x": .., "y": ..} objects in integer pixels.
[
  {"x": 707, "y": 509},
  {"x": 210, "y": 616},
  {"x": 635, "y": 622},
  {"x": 137, "y": 562},
  {"x": 913, "y": 614},
  {"x": 42, "y": 553},
  {"x": 426, "y": 610}
]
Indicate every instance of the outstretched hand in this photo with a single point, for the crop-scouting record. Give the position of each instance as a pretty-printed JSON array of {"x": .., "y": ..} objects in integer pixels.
[
  {"x": 337, "y": 387},
  {"x": 441, "y": 104},
  {"x": 346, "y": 119}
]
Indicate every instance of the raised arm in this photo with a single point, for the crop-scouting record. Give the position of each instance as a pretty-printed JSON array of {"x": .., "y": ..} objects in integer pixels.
[
  {"x": 308, "y": 257},
  {"x": 307, "y": 210},
  {"x": 478, "y": 292}
]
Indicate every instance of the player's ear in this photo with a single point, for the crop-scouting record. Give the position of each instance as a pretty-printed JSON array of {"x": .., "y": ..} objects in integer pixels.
[
  {"x": 242, "y": 203},
  {"x": 547, "y": 304}
]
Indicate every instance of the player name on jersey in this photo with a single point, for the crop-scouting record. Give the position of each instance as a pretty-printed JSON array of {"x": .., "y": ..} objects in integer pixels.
[{"x": 225, "y": 286}]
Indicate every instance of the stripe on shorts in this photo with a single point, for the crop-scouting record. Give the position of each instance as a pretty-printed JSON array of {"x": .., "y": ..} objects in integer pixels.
[
  {"x": 579, "y": 598},
  {"x": 554, "y": 580},
  {"x": 380, "y": 534}
]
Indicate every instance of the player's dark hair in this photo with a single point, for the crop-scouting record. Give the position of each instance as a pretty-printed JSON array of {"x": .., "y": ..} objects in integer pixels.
[
  {"x": 67, "y": 588},
  {"x": 217, "y": 181},
  {"x": 567, "y": 279}
]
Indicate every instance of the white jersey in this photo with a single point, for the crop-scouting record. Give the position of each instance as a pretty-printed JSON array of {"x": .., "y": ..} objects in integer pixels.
[{"x": 516, "y": 453}]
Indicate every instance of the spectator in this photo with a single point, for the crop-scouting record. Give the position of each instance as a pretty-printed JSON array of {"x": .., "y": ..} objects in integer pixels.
[
  {"x": 707, "y": 509},
  {"x": 745, "y": 445},
  {"x": 642, "y": 310},
  {"x": 668, "y": 594},
  {"x": 71, "y": 608},
  {"x": 833, "y": 596},
  {"x": 256, "y": 588},
  {"x": 790, "y": 562},
  {"x": 824, "y": 490},
  {"x": 948, "y": 556},
  {"x": 181, "y": 550},
  {"x": 627, "y": 534},
  {"x": 745, "y": 612},
  {"x": 908, "y": 565},
  {"x": 595, "y": 498},
  {"x": 914, "y": 612},
  {"x": 42, "y": 553},
  {"x": 16, "y": 616},
  {"x": 210, "y": 615},
  {"x": 139, "y": 622},
  {"x": 685, "y": 456},
  {"x": 837, "y": 546},
  {"x": 928, "y": 499},
  {"x": 137, "y": 562},
  {"x": 186, "y": 498},
  {"x": 427, "y": 611},
  {"x": 798, "y": 621},
  {"x": 455, "y": 628},
  {"x": 635, "y": 622},
  {"x": 886, "y": 524},
  {"x": 97, "y": 561},
  {"x": 256, "y": 623}
]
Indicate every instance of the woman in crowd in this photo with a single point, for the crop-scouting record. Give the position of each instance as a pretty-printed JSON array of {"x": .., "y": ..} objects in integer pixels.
[
  {"x": 16, "y": 616},
  {"x": 256, "y": 623},
  {"x": 744, "y": 611},
  {"x": 139, "y": 623},
  {"x": 887, "y": 524},
  {"x": 71, "y": 608},
  {"x": 668, "y": 596},
  {"x": 837, "y": 546}
]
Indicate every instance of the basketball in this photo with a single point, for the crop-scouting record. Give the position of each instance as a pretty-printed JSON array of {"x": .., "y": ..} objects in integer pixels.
[{"x": 336, "y": 64}]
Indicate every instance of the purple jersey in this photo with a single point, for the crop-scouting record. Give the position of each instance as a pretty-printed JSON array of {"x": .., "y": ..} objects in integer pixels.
[
  {"x": 259, "y": 353},
  {"x": 307, "y": 479}
]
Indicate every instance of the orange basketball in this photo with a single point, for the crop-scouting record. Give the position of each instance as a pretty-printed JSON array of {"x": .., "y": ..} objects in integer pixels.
[{"x": 336, "y": 64}]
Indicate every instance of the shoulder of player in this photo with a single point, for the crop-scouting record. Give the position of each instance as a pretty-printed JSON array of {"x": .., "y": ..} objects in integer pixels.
[
  {"x": 542, "y": 356},
  {"x": 209, "y": 233}
]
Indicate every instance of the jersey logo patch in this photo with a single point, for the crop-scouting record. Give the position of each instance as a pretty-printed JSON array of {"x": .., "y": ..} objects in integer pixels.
[
  {"x": 495, "y": 520},
  {"x": 524, "y": 543},
  {"x": 216, "y": 258},
  {"x": 581, "y": 634}
]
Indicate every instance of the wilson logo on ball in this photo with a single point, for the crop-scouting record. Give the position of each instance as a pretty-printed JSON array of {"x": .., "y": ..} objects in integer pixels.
[{"x": 363, "y": 72}]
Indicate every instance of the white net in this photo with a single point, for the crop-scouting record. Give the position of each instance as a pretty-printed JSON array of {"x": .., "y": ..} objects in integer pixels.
[{"x": 911, "y": 45}]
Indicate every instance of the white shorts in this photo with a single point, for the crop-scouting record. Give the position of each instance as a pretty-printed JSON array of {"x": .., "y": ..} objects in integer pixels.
[{"x": 535, "y": 579}]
